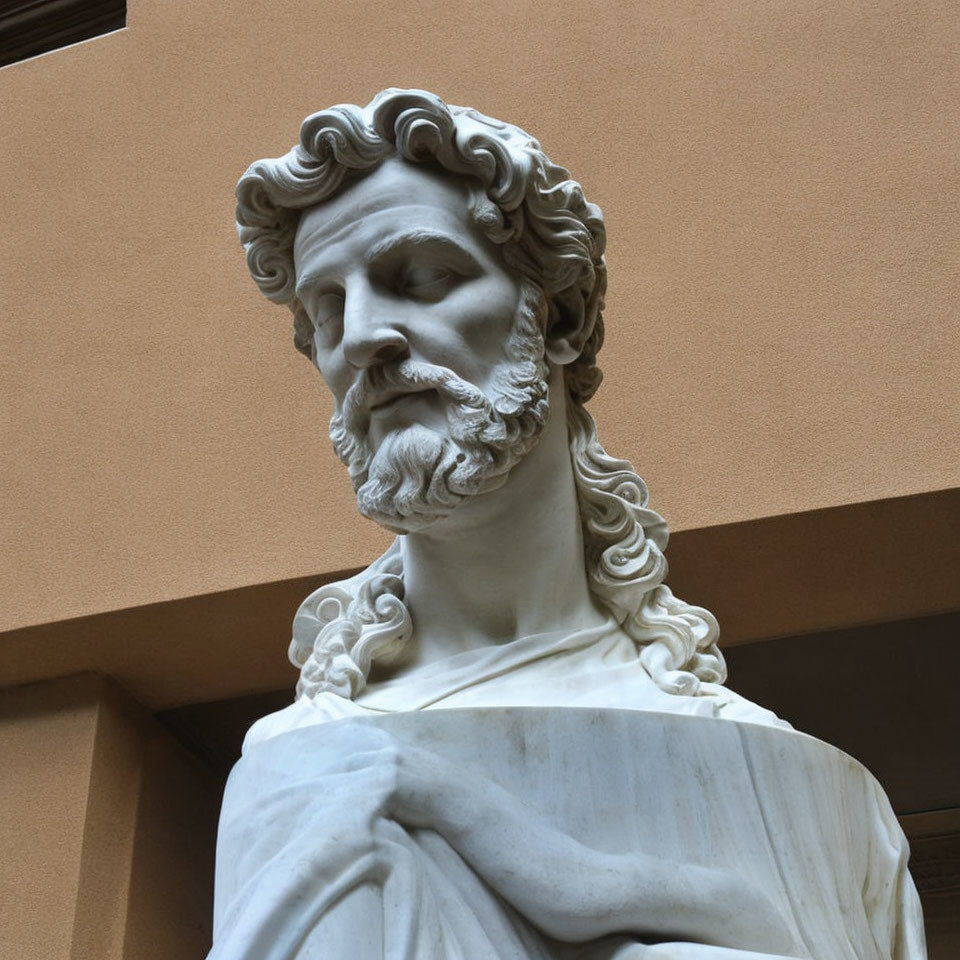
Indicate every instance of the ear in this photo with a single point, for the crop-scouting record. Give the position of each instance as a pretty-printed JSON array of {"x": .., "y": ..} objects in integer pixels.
[{"x": 568, "y": 326}]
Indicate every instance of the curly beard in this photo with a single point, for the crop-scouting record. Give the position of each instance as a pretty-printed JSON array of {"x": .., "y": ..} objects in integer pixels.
[{"x": 419, "y": 474}]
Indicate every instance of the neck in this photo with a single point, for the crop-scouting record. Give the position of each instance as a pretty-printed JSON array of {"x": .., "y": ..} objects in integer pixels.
[{"x": 505, "y": 564}]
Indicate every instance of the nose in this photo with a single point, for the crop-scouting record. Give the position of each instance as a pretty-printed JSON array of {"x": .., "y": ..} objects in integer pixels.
[{"x": 371, "y": 334}]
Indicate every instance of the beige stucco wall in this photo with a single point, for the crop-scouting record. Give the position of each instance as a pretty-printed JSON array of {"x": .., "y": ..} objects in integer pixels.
[
  {"x": 46, "y": 745},
  {"x": 780, "y": 183},
  {"x": 107, "y": 829}
]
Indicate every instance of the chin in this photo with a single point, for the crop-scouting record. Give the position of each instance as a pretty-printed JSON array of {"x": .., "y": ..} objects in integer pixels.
[{"x": 419, "y": 476}]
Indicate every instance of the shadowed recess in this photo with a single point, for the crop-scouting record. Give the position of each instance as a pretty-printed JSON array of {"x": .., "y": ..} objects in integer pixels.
[
  {"x": 32, "y": 27},
  {"x": 872, "y": 691}
]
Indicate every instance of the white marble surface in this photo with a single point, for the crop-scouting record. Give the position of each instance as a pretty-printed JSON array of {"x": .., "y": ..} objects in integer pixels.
[
  {"x": 511, "y": 739},
  {"x": 603, "y": 831}
]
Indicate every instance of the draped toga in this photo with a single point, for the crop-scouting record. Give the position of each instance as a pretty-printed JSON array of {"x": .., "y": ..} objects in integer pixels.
[{"x": 308, "y": 870}]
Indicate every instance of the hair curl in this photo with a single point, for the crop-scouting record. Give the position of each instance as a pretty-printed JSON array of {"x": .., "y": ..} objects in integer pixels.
[{"x": 549, "y": 233}]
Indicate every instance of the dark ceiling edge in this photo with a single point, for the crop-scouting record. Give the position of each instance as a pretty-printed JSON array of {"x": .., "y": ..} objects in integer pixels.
[{"x": 29, "y": 28}]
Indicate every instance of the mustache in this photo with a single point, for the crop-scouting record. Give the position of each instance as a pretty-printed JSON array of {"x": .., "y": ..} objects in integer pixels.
[{"x": 407, "y": 376}]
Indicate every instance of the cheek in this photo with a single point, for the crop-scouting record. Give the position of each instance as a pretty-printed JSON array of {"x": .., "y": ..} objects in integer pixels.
[
  {"x": 485, "y": 323},
  {"x": 335, "y": 377},
  {"x": 486, "y": 347}
]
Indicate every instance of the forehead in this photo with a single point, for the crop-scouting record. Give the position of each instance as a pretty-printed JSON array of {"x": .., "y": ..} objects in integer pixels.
[{"x": 396, "y": 195}]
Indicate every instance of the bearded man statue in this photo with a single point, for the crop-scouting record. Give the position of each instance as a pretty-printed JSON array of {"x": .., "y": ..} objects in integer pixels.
[{"x": 509, "y": 738}]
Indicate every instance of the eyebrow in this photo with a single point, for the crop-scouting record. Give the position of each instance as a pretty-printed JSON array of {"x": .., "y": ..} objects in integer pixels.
[
  {"x": 418, "y": 237},
  {"x": 421, "y": 238}
]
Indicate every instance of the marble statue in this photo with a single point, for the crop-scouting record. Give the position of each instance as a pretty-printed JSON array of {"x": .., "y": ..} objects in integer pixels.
[{"x": 509, "y": 738}]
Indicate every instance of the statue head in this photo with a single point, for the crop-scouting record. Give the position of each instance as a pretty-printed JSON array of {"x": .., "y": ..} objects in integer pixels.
[
  {"x": 378, "y": 221},
  {"x": 482, "y": 184}
]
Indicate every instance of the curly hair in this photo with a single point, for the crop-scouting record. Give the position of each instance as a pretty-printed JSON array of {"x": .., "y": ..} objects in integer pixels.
[{"x": 549, "y": 234}]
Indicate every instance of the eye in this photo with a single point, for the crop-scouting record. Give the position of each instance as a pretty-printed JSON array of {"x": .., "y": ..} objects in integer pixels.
[
  {"x": 426, "y": 282},
  {"x": 328, "y": 306}
]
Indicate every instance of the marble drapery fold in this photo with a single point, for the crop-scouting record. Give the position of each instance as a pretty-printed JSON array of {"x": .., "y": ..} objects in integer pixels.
[{"x": 308, "y": 866}]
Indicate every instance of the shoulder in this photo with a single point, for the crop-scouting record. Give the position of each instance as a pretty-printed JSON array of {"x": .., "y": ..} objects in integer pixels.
[
  {"x": 303, "y": 712},
  {"x": 731, "y": 706}
]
